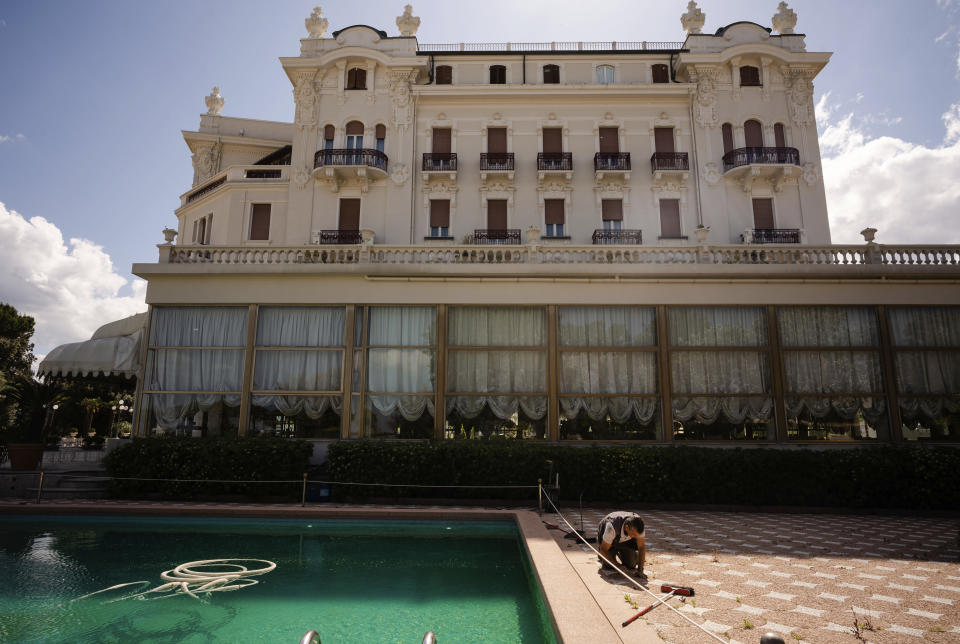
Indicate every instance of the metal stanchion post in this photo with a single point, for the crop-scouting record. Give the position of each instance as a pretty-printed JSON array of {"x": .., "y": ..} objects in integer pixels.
[
  {"x": 40, "y": 487},
  {"x": 303, "y": 494},
  {"x": 540, "y": 497}
]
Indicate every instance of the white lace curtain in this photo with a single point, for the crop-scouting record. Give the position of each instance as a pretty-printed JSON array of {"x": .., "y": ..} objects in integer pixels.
[
  {"x": 313, "y": 407},
  {"x": 620, "y": 409},
  {"x": 607, "y": 326},
  {"x": 717, "y": 326},
  {"x": 169, "y": 410},
  {"x": 933, "y": 373},
  {"x": 402, "y": 371},
  {"x": 497, "y": 326},
  {"x": 736, "y": 409},
  {"x": 407, "y": 326},
  {"x": 174, "y": 326},
  {"x": 828, "y": 326},
  {"x": 503, "y": 407},
  {"x": 301, "y": 326},
  {"x": 928, "y": 326}
]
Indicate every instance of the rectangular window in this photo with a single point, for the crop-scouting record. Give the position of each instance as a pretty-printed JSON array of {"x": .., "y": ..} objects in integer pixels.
[
  {"x": 605, "y": 74},
  {"x": 196, "y": 224},
  {"x": 609, "y": 140},
  {"x": 779, "y": 135},
  {"x": 357, "y": 78},
  {"x": 439, "y": 217},
  {"x": 551, "y": 74},
  {"x": 202, "y": 231},
  {"x": 349, "y": 214},
  {"x": 661, "y": 74},
  {"x": 209, "y": 229},
  {"x": 381, "y": 134},
  {"x": 554, "y": 217},
  {"x": 444, "y": 75},
  {"x": 260, "y": 222},
  {"x": 498, "y": 75},
  {"x": 611, "y": 211},
  {"x": 328, "y": 135},
  {"x": 441, "y": 143},
  {"x": 552, "y": 140},
  {"x": 497, "y": 140},
  {"x": 727, "y": 132},
  {"x": 663, "y": 139},
  {"x": 763, "y": 214},
  {"x": 496, "y": 214},
  {"x": 749, "y": 76},
  {"x": 670, "y": 218}
]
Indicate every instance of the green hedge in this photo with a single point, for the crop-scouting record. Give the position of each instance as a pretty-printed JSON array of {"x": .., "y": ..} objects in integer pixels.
[
  {"x": 208, "y": 459},
  {"x": 874, "y": 477}
]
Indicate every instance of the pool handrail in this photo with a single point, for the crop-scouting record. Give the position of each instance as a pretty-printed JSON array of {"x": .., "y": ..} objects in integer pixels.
[{"x": 310, "y": 637}]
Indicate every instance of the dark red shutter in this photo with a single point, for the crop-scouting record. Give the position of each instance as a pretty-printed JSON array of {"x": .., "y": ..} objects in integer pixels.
[
  {"x": 498, "y": 74},
  {"x": 669, "y": 217},
  {"x": 497, "y": 214},
  {"x": 779, "y": 136},
  {"x": 497, "y": 140},
  {"x": 663, "y": 139},
  {"x": 612, "y": 210},
  {"x": 439, "y": 213},
  {"x": 349, "y": 214},
  {"x": 381, "y": 131},
  {"x": 753, "y": 134},
  {"x": 357, "y": 78},
  {"x": 552, "y": 140},
  {"x": 355, "y": 127},
  {"x": 441, "y": 140},
  {"x": 202, "y": 233},
  {"x": 551, "y": 74},
  {"x": 727, "y": 130},
  {"x": 763, "y": 213},
  {"x": 609, "y": 140},
  {"x": 660, "y": 74},
  {"x": 553, "y": 211},
  {"x": 444, "y": 75},
  {"x": 260, "y": 222},
  {"x": 749, "y": 76},
  {"x": 328, "y": 132}
]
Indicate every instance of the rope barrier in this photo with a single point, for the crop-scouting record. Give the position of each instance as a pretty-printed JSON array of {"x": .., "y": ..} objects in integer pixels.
[{"x": 625, "y": 575}]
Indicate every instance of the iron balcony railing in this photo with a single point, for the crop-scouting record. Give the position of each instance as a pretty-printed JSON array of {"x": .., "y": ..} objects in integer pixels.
[
  {"x": 611, "y": 161},
  {"x": 496, "y": 161},
  {"x": 497, "y": 236},
  {"x": 559, "y": 161},
  {"x": 776, "y": 235},
  {"x": 210, "y": 187},
  {"x": 337, "y": 237},
  {"x": 262, "y": 174},
  {"x": 625, "y": 236},
  {"x": 439, "y": 161},
  {"x": 636, "y": 45},
  {"x": 667, "y": 161},
  {"x": 749, "y": 156},
  {"x": 364, "y": 156}
]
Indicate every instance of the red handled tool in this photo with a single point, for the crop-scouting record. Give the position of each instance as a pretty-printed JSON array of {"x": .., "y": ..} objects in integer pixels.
[{"x": 671, "y": 590}]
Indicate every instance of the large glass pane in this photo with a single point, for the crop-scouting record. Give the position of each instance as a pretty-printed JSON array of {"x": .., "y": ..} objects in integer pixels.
[
  {"x": 925, "y": 326},
  {"x": 295, "y": 416},
  {"x": 297, "y": 370},
  {"x": 928, "y": 372},
  {"x": 496, "y": 417},
  {"x": 194, "y": 370},
  {"x": 496, "y": 371},
  {"x": 609, "y": 418},
  {"x": 198, "y": 326},
  {"x": 717, "y": 326},
  {"x": 607, "y": 372},
  {"x": 720, "y": 372},
  {"x": 502, "y": 326},
  {"x": 301, "y": 326},
  {"x": 398, "y": 416},
  {"x": 403, "y": 326},
  {"x": 833, "y": 418},
  {"x": 723, "y": 418},
  {"x": 931, "y": 419},
  {"x": 607, "y": 326},
  {"x": 401, "y": 370},
  {"x": 191, "y": 414},
  {"x": 828, "y": 326},
  {"x": 832, "y": 372}
]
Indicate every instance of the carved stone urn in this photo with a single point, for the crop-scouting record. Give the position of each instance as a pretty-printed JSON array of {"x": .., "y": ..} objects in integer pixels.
[
  {"x": 408, "y": 23},
  {"x": 693, "y": 20},
  {"x": 702, "y": 232},
  {"x": 868, "y": 234},
  {"x": 785, "y": 19},
  {"x": 168, "y": 235},
  {"x": 214, "y": 101},
  {"x": 316, "y": 24},
  {"x": 533, "y": 235},
  {"x": 367, "y": 235}
]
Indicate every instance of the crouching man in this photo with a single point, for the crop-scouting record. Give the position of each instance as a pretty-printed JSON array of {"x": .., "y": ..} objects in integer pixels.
[{"x": 621, "y": 539}]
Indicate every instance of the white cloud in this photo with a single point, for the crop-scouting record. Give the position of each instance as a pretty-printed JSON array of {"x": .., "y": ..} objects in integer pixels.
[
  {"x": 70, "y": 289},
  {"x": 907, "y": 191},
  {"x": 15, "y": 137}
]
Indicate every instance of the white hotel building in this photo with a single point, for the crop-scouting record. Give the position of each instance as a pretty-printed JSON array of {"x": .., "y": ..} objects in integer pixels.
[{"x": 563, "y": 241}]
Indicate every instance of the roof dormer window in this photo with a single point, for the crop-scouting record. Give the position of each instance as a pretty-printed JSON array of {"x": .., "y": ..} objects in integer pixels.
[
  {"x": 749, "y": 76},
  {"x": 356, "y": 78}
]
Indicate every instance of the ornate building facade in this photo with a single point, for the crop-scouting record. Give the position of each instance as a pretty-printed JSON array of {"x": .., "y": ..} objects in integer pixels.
[{"x": 561, "y": 241}]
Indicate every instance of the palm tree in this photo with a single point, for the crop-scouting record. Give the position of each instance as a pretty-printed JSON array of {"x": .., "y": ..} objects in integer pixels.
[{"x": 34, "y": 400}]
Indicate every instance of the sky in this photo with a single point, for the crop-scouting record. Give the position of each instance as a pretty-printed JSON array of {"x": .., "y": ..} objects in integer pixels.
[{"x": 93, "y": 96}]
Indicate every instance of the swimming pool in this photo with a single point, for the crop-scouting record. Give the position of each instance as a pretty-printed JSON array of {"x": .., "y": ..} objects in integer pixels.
[{"x": 350, "y": 580}]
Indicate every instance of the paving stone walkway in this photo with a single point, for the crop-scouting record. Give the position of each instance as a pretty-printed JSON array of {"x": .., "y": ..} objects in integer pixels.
[{"x": 811, "y": 578}]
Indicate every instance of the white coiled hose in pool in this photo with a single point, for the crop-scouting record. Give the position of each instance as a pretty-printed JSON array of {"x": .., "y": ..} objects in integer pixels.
[{"x": 190, "y": 579}]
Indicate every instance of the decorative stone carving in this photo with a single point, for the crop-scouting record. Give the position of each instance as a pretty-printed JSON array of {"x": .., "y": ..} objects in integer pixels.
[
  {"x": 400, "y": 98},
  {"x": 811, "y": 173},
  {"x": 868, "y": 234},
  {"x": 702, "y": 232},
  {"x": 765, "y": 75},
  {"x": 400, "y": 173},
  {"x": 497, "y": 186},
  {"x": 206, "y": 162},
  {"x": 408, "y": 23},
  {"x": 316, "y": 24},
  {"x": 711, "y": 173},
  {"x": 705, "y": 106},
  {"x": 301, "y": 175},
  {"x": 692, "y": 21},
  {"x": 170, "y": 233},
  {"x": 785, "y": 19},
  {"x": 305, "y": 96},
  {"x": 801, "y": 95},
  {"x": 214, "y": 101}
]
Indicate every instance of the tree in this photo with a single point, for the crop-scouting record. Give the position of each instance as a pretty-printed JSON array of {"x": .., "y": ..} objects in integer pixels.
[
  {"x": 16, "y": 349},
  {"x": 35, "y": 400}
]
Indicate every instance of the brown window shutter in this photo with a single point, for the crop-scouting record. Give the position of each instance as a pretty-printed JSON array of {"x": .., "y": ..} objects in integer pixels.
[
  {"x": 779, "y": 135},
  {"x": 497, "y": 214},
  {"x": 202, "y": 232},
  {"x": 381, "y": 131},
  {"x": 727, "y": 130},
  {"x": 357, "y": 78},
  {"x": 355, "y": 127},
  {"x": 669, "y": 217},
  {"x": 749, "y": 76},
  {"x": 552, "y": 140},
  {"x": 441, "y": 140},
  {"x": 612, "y": 210},
  {"x": 439, "y": 213},
  {"x": 763, "y": 213},
  {"x": 609, "y": 140},
  {"x": 328, "y": 132},
  {"x": 663, "y": 139},
  {"x": 209, "y": 227},
  {"x": 349, "y": 214},
  {"x": 660, "y": 74},
  {"x": 497, "y": 140},
  {"x": 553, "y": 211},
  {"x": 551, "y": 74},
  {"x": 753, "y": 134},
  {"x": 444, "y": 75},
  {"x": 260, "y": 222},
  {"x": 498, "y": 74},
  {"x": 195, "y": 226}
]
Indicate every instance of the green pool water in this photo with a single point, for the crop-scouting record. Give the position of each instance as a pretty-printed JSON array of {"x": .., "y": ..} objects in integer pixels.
[{"x": 351, "y": 581}]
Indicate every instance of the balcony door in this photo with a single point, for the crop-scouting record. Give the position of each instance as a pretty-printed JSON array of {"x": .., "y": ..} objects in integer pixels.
[
  {"x": 349, "y": 215},
  {"x": 552, "y": 140},
  {"x": 753, "y": 134},
  {"x": 663, "y": 139},
  {"x": 441, "y": 149},
  {"x": 763, "y": 214},
  {"x": 497, "y": 214},
  {"x": 609, "y": 140},
  {"x": 497, "y": 148},
  {"x": 354, "y": 135}
]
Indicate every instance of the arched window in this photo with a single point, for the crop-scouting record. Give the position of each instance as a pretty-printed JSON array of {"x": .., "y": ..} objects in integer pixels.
[
  {"x": 381, "y": 136},
  {"x": 727, "y": 131},
  {"x": 551, "y": 74},
  {"x": 749, "y": 76},
  {"x": 498, "y": 75},
  {"x": 354, "y": 135},
  {"x": 328, "y": 135},
  {"x": 753, "y": 134},
  {"x": 444, "y": 75},
  {"x": 605, "y": 74},
  {"x": 356, "y": 78},
  {"x": 779, "y": 135},
  {"x": 660, "y": 73}
]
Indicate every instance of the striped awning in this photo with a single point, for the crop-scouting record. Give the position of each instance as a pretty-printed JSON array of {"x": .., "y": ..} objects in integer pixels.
[{"x": 114, "y": 349}]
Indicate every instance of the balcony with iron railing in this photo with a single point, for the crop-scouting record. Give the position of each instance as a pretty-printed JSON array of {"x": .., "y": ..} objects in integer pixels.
[
  {"x": 351, "y": 158},
  {"x": 760, "y": 156},
  {"x": 773, "y": 236},
  {"x": 496, "y": 162},
  {"x": 662, "y": 162},
  {"x": 496, "y": 236},
  {"x": 336, "y": 237},
  {"x": 623, "y": 236},
  {"x": 555, "y": 163},
  {"x": 617, "y": 162},
  {"x": 440, "y": 162},
  {"x": 575, "y": 46}
]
